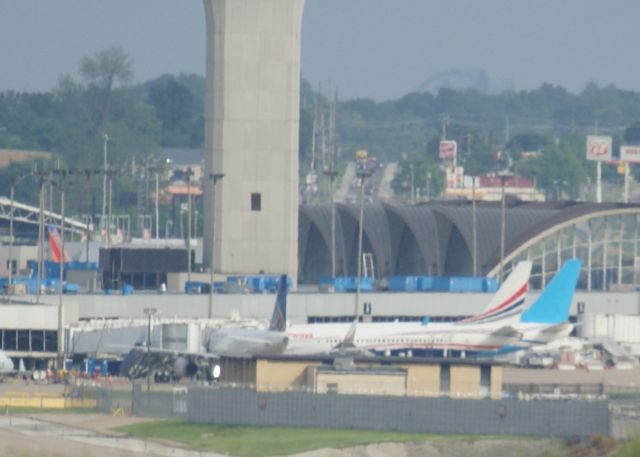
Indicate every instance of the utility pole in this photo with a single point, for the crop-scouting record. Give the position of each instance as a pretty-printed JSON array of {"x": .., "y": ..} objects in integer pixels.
[
  {"x": 362, "y": 174},
  {"x": 157, "y": 210},
  {"x": 412, "y": 200},
  {"x": 13, "y": 192},
  {"x": 503, "y": 177},
  {"x": 149, "y": 312},
  {"x": 331, "y": 174},
  {"x": 189, "y": 174},
  {"x": 214, "y": 177},
  {"x": 105, "y": 140},
  {"x": 42, "y": 177},
  {"x": 62, "y": 174},
  {"x": 475, "y": 226}
]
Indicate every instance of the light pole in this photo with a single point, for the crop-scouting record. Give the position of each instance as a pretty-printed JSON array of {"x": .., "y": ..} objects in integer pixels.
[
  {"x": 149, "y": 312},
  {"x": 14, "y": 182},
  {"x": 157, "y": 207},
  {"x": 331, "y": 174},
  {"x": 62, "y": 174},
  {"x": 189, "y": 173},
  {"x": 214, "y": 177},
  {"x": 413, "y": 193},
  {"x": 475, "y": 225},
  {"x": 362, "y": 175},
  {"x": 105, "y": 140},
  {"x": 42, "y": 177},
  {"x": 503, "y": 177}
]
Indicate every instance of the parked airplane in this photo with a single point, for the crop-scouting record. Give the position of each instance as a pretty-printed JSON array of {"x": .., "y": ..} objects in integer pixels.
[
  {"x": 6, "y": 364},
  {"x": 489, "y": 330},
  {"x": 166, "y": 364},
  {"x": 501, "y": 327}
]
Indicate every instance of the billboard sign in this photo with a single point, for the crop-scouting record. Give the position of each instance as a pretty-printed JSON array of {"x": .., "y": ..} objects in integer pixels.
[
  {"x": 599, "y": 148},
  {"x": 448, "y": 150},
  {"x": 630, "y": 153}
]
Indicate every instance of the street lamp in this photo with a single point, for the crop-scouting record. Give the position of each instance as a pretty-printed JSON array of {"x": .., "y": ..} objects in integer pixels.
[
  {"x": 149, "y": 312},
  {"x": 105, "y": 140},
  {"x": 62, "y": 174},
  {"x": 331, "y": 173},
  {"x": 362, "y": 174},
  {"x": 14, "y": 182},
  {"x": 503, "y": 177},
  {"x": 42, "y": 176},
  {"x": 412, "y": 198},
  {"x": 189, "y": 173},
  {"x": 474, "y": 223},
  {"x": 214, "y": 177}
]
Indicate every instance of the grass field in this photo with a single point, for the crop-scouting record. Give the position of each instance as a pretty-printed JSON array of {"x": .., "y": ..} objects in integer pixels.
[{"x": 270, "y": 441}]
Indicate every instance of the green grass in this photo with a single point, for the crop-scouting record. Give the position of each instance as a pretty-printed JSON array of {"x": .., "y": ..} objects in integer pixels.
[
  {"x": 629, "y": 449},
  {"x": 270, "y": 441}
]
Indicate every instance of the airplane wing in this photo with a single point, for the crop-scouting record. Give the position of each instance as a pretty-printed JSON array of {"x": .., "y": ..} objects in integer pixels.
[
  {"x": 506, "y": 331},
  {"x": 557, "y": 328}
]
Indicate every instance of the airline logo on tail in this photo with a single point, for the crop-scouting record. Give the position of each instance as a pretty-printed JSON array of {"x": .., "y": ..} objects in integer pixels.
[
  {"x": 508, "y": 302},
  {"x": 279, "y": 317},
  {"x": 54, "y": 244}
]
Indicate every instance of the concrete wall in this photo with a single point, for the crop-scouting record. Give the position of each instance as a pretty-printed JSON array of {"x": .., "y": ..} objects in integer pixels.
[
  {"x": 251, "y": 135},
  {"x": 409, "y": 414}
]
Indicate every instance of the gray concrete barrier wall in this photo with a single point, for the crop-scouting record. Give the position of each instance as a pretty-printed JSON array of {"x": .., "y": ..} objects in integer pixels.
[
  {"x": 166, "y": 404},
  {"x": 557, "y": 418}
]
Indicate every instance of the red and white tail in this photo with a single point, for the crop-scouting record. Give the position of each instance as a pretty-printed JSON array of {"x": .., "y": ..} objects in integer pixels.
[
  {"x": 55, "y": 244},
  {"x": 508, "y": 302}
]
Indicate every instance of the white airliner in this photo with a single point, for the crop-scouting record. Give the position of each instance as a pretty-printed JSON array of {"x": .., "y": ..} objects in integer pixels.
[
  {"x": 6, "y": 364},
  {"x": 500, "y": 327},
  {"x": 489, "y": 330}
]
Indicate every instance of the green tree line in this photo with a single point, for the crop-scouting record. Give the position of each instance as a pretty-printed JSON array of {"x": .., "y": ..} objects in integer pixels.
[{"x": 70, "y": 121}]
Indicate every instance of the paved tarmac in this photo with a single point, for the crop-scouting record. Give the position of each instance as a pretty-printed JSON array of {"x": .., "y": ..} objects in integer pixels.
[{"x": 59, "y": 435}]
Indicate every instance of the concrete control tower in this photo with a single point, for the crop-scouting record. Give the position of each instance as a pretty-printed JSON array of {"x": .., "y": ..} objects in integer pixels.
[{"x": 251, "y": 135}]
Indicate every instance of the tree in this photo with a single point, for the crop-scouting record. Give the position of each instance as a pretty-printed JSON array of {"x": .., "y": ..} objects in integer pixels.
[{"x": 103, "y": 73}]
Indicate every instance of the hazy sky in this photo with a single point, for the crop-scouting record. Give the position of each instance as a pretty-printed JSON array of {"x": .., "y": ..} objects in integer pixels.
[{"x": 369, "y": 48}]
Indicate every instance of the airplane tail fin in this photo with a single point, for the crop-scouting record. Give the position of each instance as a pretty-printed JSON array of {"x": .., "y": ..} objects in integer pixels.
[
  {"x": 55, "y": 245},
  {"x": 553, "y": 304},
  {"x": 279, "y": 317},
  {"x": 508, "y": 302}
]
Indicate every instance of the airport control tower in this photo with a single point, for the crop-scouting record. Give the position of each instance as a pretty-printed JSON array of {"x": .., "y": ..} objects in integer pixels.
[{"x": 251, "y": 135}]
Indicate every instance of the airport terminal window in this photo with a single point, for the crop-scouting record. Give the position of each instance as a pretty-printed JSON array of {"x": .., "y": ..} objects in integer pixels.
[
  {"x": 50, "y": 341},
  {"x": 10, "y": 340},
  {"x": 37, "y": 340},
  {"x": 256, "y": 202},
  {"x": 24, "y": 344}
]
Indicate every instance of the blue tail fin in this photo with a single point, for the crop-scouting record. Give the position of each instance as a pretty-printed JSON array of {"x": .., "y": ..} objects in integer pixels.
[
  {"x": 279, "y": 317},
  {"x": 552, "y": 306}
]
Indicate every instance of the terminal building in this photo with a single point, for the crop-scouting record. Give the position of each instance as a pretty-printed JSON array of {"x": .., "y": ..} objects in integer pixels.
[
  {"x": 433, "y": 239},
  {"x": 437, "y": 239}
]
